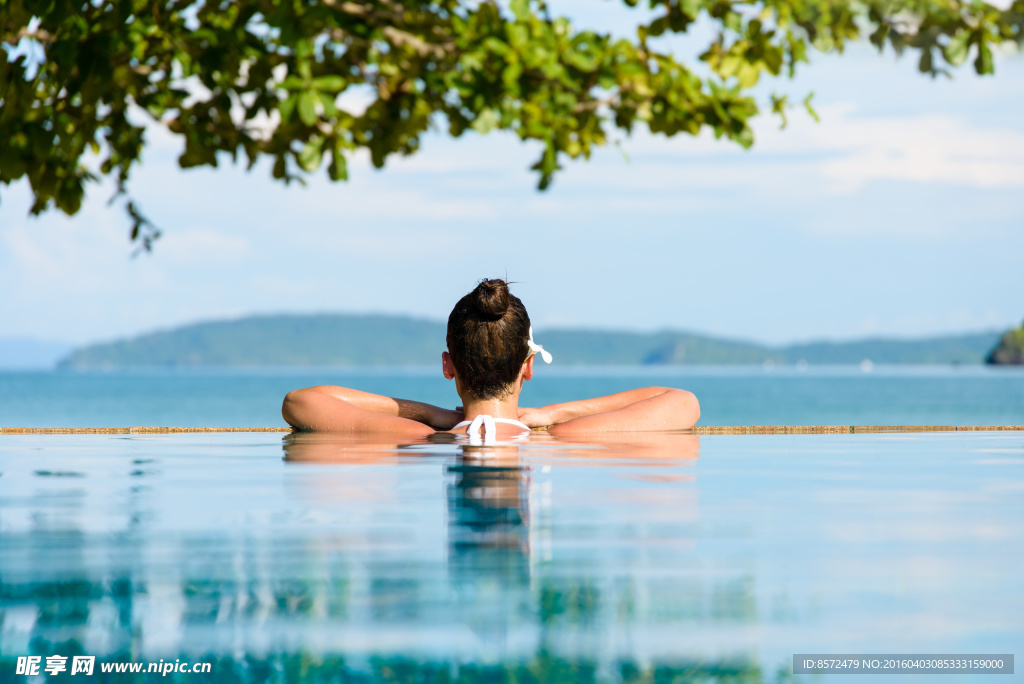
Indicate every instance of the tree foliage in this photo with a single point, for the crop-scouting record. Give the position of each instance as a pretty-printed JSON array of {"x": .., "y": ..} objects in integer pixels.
[{"x": 82, "y": 79}]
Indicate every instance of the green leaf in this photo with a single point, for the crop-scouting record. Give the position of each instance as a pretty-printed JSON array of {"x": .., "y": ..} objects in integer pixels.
[
  {"x": 925, "y": 65},
  {"x": 657, "y": 27},
  {"x": 311, "y": 155},
  {"x": 956, "y": 50},
  {"x": 779, "y": 104},
  {"x": 745, "y": 137},
  {"x": 521, "y": 9},
  {"x": 330, "y": 84},
  {"x": 510, "y": 76},
  {"x": 303, "y": 49},
  {"x": 286, "y": 107},
  {"x": 518, "y": 36},
  {"x": 327, "y": 103},
  {"x": 486, "y": 121},
  {"x": 748, "y": 74},
  {"x": 307, "y": 107},
  {"x": 338, "y": 168},
  {"x": 810, "y": 108},
  {"x": 983, "y": 63}
]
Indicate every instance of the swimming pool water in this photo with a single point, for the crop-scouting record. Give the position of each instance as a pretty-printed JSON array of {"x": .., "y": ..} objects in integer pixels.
[{"x": 656, "y": 558}]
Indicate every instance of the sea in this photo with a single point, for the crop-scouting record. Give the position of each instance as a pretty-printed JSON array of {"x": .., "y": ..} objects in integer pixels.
[{"x": 745, "y": 395}]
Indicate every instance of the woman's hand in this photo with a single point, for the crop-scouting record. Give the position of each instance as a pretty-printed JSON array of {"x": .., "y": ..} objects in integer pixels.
[{"x": 535, "y": 417}]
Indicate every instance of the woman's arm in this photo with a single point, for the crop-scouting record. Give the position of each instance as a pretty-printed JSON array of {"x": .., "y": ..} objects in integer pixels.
[
  {"x": 329, "y": 408},
  {"x": 646, "y": 408}
]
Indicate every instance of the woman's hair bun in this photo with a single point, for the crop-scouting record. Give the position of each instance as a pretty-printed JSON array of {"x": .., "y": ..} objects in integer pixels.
[
  {"x": 488, "y": 339},
  {"x": 491, "y": 297}
]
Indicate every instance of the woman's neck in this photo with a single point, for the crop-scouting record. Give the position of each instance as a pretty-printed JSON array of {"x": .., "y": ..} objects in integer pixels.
[{"x": 498, "y": 408}]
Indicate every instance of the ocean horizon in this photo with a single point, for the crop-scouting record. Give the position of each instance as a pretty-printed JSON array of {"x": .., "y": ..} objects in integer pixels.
[{"x": 729, "y": 395}]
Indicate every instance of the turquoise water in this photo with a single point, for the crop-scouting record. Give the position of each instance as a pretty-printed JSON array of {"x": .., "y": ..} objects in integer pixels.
[
  {"x": 728, "y": 396},
  {"x": 664, "y": 558}
]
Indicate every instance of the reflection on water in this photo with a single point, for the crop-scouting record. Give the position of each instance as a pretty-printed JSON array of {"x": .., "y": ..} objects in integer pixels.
[
  {"x": 488, "y": 522},
  {"x": 633, "y": 559},
  {"x": 489, "y": 542}
]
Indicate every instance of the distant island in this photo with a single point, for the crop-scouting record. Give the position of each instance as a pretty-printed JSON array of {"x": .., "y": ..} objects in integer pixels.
[
  {"x": 378, "y": 340},
  {"x": 1010, "y": 350}
]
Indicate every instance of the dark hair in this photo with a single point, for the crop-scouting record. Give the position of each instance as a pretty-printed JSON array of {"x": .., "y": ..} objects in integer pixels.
[{"x": 487, "y": 334}]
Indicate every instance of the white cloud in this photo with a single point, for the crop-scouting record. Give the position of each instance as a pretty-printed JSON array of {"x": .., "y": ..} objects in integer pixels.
[
  {"x": 847, "y": 149},
  {"x": 926, "y": 149}
]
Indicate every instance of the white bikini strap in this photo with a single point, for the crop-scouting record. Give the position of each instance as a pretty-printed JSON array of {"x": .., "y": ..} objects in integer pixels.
[{"x": 490, "y": 431}]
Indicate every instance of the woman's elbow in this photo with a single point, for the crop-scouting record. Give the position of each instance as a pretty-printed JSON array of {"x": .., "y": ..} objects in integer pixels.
[
  {"x": 695, "y": 407},
  {"x": 688, "y": 408},
  {"x": 292, "y": 410}
]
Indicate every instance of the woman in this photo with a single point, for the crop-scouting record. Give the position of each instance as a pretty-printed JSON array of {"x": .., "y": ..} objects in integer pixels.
[{"x": 490, "y": 355}]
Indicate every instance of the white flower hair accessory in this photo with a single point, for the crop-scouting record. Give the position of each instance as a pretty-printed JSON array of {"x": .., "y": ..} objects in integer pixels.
[{"x": 537, "y": 349}]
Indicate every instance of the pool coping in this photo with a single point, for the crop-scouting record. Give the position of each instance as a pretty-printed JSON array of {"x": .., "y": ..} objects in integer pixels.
[{"x": 699, "y": 430}]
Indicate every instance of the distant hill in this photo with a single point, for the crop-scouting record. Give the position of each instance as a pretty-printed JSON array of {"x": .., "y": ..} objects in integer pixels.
[
  {"x": 968, "y": 349},
  {"x": 354, "y": 340},
  {"x": 318, "y": 340}
]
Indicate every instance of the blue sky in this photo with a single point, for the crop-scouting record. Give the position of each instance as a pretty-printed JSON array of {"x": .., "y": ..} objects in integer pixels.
[{"x": 899, "y": 214}]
